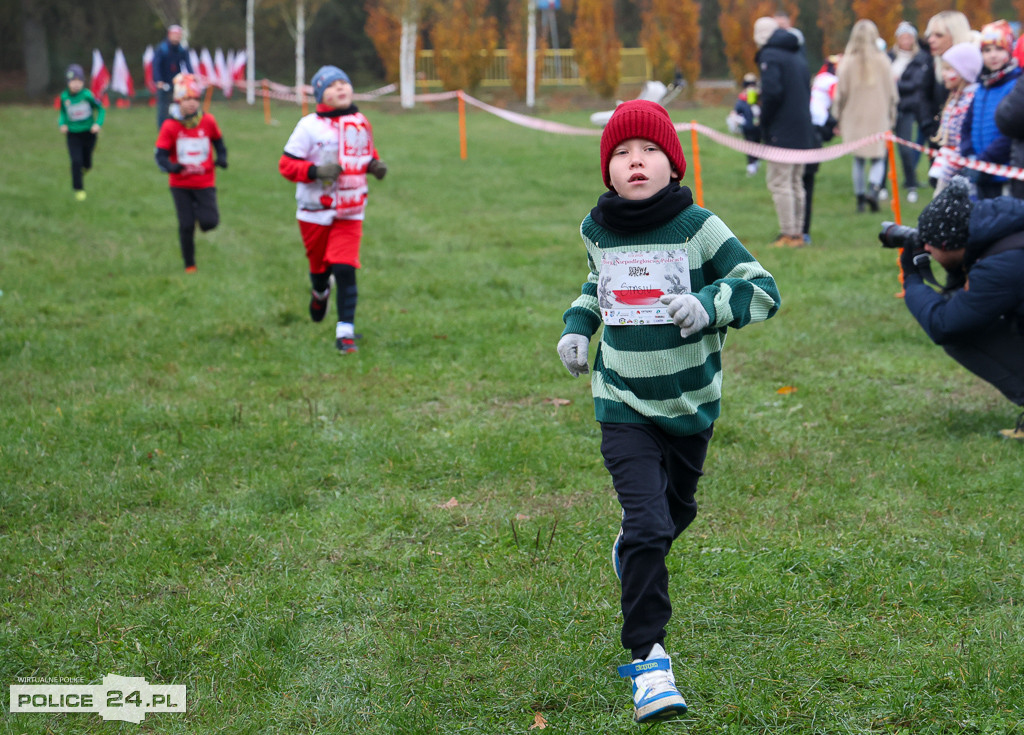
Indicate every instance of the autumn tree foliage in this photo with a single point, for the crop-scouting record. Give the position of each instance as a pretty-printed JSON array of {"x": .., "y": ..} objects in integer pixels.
[
  {"x": 384, "y": 28},
  {"x": 736, "y": 22},
  {"x": 671, "y": 37},
  {"x": 464, "y": 39},
  {"x": 515, "y": 42},
  {"x": 886, "y": 14},
  {"x": 597, "y": 46},
  {"x": 978, "y": 12},
  {"x": 835, "y": 21}
]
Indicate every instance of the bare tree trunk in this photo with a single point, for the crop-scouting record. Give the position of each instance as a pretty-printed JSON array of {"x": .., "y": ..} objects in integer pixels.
[
  {"x": 34, "y": 49},
  {"x": 300, "y": 44},
  {"x": 407, "y": 60},
  {"x": 250, "y": 52},
  {"x": 531, "y": 52}
]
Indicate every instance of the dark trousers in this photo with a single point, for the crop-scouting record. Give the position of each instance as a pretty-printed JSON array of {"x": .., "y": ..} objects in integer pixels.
[
  {"x": 655, "y": 476},
  {"x": 995, "y": 355},
  {"x": 194, "y": 206},
  {"x": 164, "y": 97},
  {"x": 810, "y": 172},
  {"x": 908, "y": 156},
  {"x": 80, "y": 148}
]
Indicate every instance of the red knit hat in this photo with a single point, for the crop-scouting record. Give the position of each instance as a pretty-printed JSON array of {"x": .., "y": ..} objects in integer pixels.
[{"x": 641, "y": 119}]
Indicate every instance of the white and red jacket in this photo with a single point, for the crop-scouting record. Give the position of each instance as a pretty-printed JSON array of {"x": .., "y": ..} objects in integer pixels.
[{"x": 324, "y": 137}]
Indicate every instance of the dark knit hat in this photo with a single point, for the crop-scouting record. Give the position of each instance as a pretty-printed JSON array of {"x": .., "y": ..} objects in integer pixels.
[
  {"x": 641, "y": 119},
  {"x": 74, "y": 72},
  {"x": 943, "y": 222},
  {"x": 324, "y": 78}
]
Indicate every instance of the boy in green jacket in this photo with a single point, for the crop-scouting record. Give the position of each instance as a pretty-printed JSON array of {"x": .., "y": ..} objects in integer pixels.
[
  {"x": 667, "y": 279},
  {"x": 81, "y": 117}
]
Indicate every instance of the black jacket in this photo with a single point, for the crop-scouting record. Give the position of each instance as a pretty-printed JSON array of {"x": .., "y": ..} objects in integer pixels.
[
  {"x": 916, "y": 87},
  {"x": 996, "y": 278},
  {"x": 1010, "y": 121},
  {"x": 785, "y": 93}
]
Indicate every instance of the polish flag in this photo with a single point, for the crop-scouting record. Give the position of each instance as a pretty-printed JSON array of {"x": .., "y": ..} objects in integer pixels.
[
  {"x": 121, "y": 80},
  {"x": 100, "y": 78},
  {"x": 221, "y": 71},
  {"x": 206, "y": 70},
  {"x": 193, "y": 61},
  {"x": 229, "y": 73},
  {"x": 238, "y": 67},
  {"x": 147, "y": 68}
]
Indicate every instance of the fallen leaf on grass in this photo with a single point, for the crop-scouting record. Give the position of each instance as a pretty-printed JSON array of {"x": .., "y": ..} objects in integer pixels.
[
  {"x": 449, "y": 505},
  {"x": 539, "y": 723},
  {"x": 786, "y": 390},
  {"x": 522, "y": 517},
  {"x": 558, "y": 401}
]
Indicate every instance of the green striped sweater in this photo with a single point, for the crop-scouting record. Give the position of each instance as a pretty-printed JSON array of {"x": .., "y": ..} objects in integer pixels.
[{"x": 650, "y": 374}]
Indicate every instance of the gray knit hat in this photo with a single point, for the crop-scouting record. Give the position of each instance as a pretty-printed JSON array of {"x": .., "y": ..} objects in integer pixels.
[
  {"x": 943, "y": 223},
  {"x": 905, "y": 27}
]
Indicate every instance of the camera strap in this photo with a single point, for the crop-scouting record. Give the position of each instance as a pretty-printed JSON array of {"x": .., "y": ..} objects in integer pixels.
[{"x": 1010, "y": 242}]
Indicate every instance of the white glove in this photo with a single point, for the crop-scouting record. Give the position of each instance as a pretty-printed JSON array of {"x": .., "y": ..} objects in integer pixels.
[
  {"x": 572, "y": 349},
  {"x": 687, "y": 313}
]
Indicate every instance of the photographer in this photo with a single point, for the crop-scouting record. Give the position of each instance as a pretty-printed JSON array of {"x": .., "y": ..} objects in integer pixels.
[{"x": 978, "y": 317}]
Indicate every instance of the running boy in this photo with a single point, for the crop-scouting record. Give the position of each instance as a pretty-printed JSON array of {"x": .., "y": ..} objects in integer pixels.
[
  {"x": 184, "y": 149},
  {"x": 328, "y": 156},
  {"x": 667, "y": 278},
  {"x": 81, "y": 117}
]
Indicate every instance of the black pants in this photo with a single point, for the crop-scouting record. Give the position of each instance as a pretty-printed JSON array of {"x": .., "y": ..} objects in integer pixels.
[
  {"x": 164, "y": 97},
  {"x": 194, "y": 206},
  {"x": 80, "y": 148},
  {"x": 810, "y": 172},
  {"x": 655, "y": 476},
  {"x": 995, "y": 355}
]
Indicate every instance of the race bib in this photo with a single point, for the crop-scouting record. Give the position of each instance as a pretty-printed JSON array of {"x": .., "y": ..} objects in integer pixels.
[
  {"x": 631, "y": 284},
  {"x": 193, "y": 151},
  {"x": 79, "y": 111}
]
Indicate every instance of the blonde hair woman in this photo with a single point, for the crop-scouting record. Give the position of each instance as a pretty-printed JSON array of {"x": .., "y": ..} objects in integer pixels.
[
  {"x": 945, "y": 30},
  {"x": 865, "y": 104}
]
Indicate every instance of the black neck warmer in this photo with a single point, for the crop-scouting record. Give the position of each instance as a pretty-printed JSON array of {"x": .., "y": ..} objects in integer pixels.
[{"x": 627, "y": 216}]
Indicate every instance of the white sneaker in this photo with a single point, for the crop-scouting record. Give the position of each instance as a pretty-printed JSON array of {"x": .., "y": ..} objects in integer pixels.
[
  {"x": 911, "y": 195},
  {"x": 883, "y": 194},
  {"x": 752, "y": 169},
  {"x": 655, "y": 696}
]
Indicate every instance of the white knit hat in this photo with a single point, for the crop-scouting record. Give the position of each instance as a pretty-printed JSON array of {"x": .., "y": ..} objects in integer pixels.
[{"x": 966, "y": 59}]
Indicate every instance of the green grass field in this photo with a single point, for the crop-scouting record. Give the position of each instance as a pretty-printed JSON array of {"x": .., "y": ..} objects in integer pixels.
[{"x": 197, "y": 489}]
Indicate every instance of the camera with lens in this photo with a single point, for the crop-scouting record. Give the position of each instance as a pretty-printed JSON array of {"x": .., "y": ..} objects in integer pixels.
[{"x": 899, "y": 236}]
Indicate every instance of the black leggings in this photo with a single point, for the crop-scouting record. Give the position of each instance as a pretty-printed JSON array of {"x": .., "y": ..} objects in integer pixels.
[
  {"x": 194, "y": 205},
  {"x": 80, "y": 148}
]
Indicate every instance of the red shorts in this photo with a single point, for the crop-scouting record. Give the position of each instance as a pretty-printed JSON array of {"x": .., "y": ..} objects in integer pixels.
[{"x": 333, "y": 244}]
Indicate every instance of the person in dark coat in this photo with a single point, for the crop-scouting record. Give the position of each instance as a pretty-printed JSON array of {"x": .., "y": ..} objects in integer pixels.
[
  {"x": 785, "y": 122},
  {"x": 169, "y": 60},
  {"x": 915, "y": 83},
  {"x": 981, "y": 326},
  {"x": 1010, "y": 121}
]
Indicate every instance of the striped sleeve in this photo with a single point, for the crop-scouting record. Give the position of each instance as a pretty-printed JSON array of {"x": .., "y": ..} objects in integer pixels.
[
  {"x": 739, "y": 290},
  {"x": 584, "y": 314}
]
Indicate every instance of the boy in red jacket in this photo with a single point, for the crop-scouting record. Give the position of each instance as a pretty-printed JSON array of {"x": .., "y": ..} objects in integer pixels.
[
  {"x": 328, "y": 156},
  {"x": 185, "y": 150}
]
